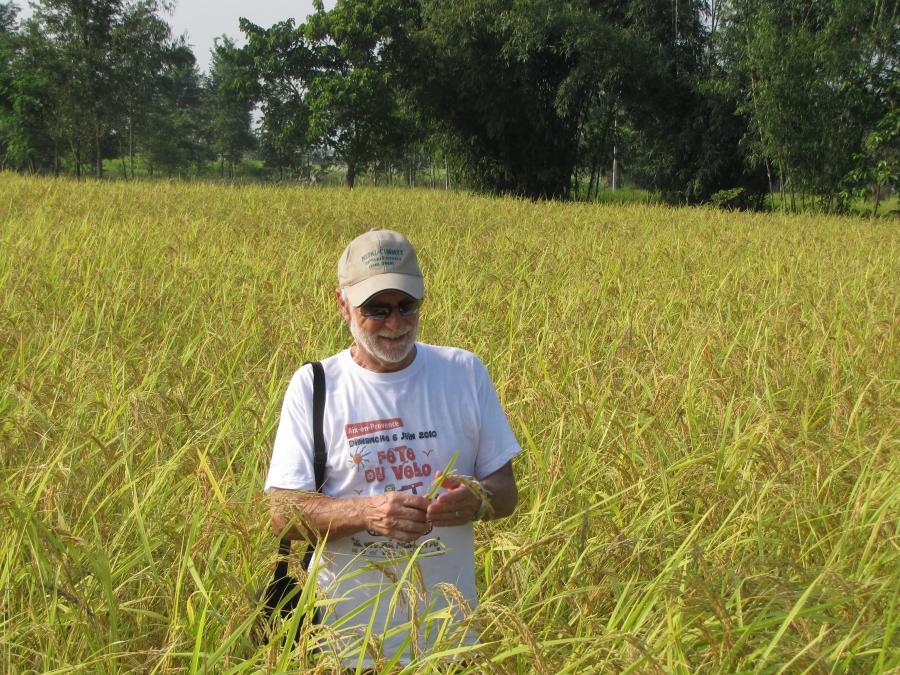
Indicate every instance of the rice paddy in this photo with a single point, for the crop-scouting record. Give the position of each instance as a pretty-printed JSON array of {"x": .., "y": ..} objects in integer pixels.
[{"x": 707, "y": 404}]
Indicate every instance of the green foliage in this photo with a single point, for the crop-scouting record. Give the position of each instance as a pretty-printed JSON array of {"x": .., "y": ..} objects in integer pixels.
[
  {"x": 178, "y": 126},
  {"x": 95, "y": 80},
  {"x": 8, "y": 47},
  {"x": 815, "y": 79},
  {"x": 529, "y": 97},
  {"x": 277, "y": 64},
  {"x": 227, "y": 104},
  {"x": 328, "y": 83},
  {"x": 500, "y": 77}
]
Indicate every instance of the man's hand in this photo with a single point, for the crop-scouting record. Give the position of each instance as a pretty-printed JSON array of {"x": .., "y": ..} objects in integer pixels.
[
  {"x": 399, "y": 515},
  {"x": 457, "y": 506}
]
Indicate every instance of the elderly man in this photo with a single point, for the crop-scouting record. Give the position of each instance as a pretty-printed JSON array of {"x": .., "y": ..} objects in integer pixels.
[{"x": 398, "y": 411}]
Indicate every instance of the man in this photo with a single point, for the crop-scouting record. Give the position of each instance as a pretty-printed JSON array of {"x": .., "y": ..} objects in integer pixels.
[{"x": 397, "y": 412}]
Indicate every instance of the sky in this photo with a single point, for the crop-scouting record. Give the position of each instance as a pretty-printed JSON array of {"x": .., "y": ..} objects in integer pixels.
[{"x": 205, "y": 20}]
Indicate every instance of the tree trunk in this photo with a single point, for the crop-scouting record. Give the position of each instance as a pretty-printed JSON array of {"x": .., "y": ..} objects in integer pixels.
[
  {"x": 131, "y": 146},
  {"x": 98, "y": 151},
  {"x": 351, "y": 175},
  {"x": 781, "y": 180},
  {"x": 615, "y": 166},
  {"x": 575, "y": 183}
]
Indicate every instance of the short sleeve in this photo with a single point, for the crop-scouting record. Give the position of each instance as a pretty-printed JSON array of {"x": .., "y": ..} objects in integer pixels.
[
  {"x": 292, "y": 454},
  {"x": 496, "y": 442}
]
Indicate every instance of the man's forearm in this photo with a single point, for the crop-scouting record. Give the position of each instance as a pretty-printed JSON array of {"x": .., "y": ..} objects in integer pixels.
[
  {"x": 504, "y": 496},
  {"x": 311, "y": 515}
]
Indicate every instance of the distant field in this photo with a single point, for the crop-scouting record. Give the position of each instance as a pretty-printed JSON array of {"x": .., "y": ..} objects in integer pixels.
[{"x": 708, "y": 404}]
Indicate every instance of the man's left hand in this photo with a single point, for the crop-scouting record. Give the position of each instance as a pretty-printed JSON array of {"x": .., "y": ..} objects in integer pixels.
[{"x": 456, "y": 506}]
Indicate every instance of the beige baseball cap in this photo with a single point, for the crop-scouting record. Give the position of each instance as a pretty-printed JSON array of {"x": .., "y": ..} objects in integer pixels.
[{"x": 379, "y": 260}]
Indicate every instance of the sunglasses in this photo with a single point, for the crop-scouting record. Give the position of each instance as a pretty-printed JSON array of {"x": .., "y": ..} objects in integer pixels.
[{"x": 381, "y": 311}]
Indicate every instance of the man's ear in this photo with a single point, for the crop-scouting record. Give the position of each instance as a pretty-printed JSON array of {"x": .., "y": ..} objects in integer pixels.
[{"x": 343, "y": 306}]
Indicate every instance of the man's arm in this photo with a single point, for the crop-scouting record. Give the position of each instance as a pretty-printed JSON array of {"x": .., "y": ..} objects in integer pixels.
[
  {"x": 303, "y": 515},
  {"x": 502, "y": 487},
  {"x": 459, "y": 505}
]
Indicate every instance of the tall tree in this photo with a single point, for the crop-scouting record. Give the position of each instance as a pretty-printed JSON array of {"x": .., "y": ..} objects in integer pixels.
[
  {"x": 352, "y": 92},
  {"x": 143, "y": 51},
  {"x": 228, "y": 105},
  {"x": 174, "y": 136},
  {"x": 8, "y": 48},
  {"x": 816, "y": 79},
  {"x": 688, "y": 139},
  {"x": 36, "y": 124},
  {"x": 81, "y": 31},
  {"x": 496, "y": 75},
  {"x": 277, "y": 66}
]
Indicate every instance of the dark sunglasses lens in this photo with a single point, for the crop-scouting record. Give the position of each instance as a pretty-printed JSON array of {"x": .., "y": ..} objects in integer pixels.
[
  {"x": 409, "y": 308},
  {"x": 382, "y": 312},
  {"x": 379, "y": 312}
]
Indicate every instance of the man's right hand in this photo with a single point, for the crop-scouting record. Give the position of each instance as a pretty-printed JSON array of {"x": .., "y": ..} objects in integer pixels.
[{"x": 399, "y": 515}]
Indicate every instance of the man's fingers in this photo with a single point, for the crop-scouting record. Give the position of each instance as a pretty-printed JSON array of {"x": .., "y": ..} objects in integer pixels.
[
  {"x": 407, "y": 499},
  {"x": 404, "y": 530},
  {"x": 461, "y": 499},
  {"x": 404, "y": 514},
  {"x": 399, "y": 515},
  {"x": 448, "y": 483}
]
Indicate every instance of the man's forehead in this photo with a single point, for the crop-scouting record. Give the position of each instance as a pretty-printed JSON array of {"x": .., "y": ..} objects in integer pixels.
[{"x": 389, "y": 296}]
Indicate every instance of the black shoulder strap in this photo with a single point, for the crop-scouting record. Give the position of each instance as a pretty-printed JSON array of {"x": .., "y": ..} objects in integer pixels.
[{"x": 320, "y": 452}]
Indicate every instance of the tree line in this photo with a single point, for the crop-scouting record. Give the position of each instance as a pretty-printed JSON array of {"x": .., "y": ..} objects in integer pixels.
[{"x": 716, "y": 100}]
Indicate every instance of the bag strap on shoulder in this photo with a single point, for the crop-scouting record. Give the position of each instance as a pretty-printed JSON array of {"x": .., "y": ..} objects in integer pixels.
[{"x": 320, "y": 452}]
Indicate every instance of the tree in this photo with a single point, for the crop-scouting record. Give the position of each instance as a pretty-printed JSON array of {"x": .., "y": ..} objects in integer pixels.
[
  {"x": 143, "y": 52},
  {"x": 328, "y": 84},
  {"x": 496, "y": 74},
  {"x": 227, "y": 105},
  {"x": 34, "y": 124},
  {"x": 81, "y": 33},
  {"x": 176, "y": 119},
  {"x": 277, "y": 65},
  {"x": 815, "y": 78},
  {"x": 8, "y": 49},
  {"x": 352, "y": 97}
]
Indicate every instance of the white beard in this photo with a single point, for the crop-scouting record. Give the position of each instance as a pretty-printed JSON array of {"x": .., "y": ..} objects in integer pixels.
[{"x": 386, "y": 353}]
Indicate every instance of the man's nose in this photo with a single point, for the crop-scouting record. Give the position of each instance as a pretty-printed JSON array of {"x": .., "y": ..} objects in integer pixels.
[{"x": 394, "y": 320}]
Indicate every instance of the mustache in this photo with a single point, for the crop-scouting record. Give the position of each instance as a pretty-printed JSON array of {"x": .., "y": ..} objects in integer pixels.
[{"x": 393, "y": 333}]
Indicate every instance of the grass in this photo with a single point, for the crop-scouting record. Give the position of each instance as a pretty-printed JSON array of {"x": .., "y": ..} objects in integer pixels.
[{"x": 707, "y": 403}]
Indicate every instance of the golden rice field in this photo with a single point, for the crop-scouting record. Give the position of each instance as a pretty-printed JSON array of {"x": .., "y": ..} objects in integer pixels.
[{"x": 707, "y": 401}]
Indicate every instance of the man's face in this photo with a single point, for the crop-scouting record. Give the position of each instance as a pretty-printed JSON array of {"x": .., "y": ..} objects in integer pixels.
[{"x": 384, "y": 345}]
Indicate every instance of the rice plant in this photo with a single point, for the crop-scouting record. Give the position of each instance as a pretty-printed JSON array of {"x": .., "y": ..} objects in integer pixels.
[{"x": 707, "y": 404}]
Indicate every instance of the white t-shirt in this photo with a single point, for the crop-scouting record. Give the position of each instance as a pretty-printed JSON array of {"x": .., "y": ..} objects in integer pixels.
[{"x": 393, "y": 431}]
